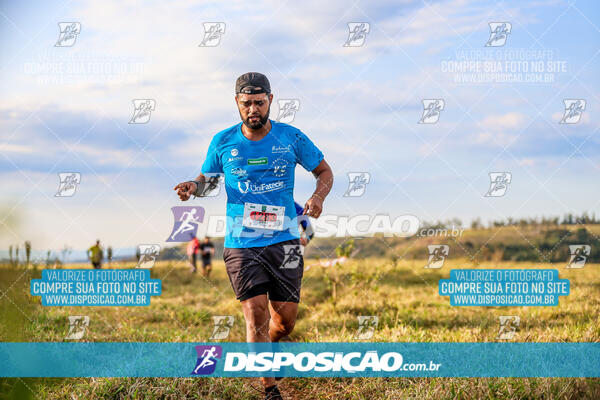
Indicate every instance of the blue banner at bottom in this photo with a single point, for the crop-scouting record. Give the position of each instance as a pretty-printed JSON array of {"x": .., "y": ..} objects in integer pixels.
[{"x": 300, "y": 359}]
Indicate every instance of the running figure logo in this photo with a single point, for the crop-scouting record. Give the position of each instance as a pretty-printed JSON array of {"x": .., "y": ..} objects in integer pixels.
[
  {"x": 185, "y": 225},
  {"x": 207, "y": 359},
  {"x": 366, "y": 326},
  {"x": 292, "y": 256},
  {"x": 212, "y": 34},
  {"x": 437, "y": 255},
  {"x": 147, "y": 255},
  {"x": 142, "y": 110},
  {"x": 223, "y": 323},
  {"x": 68, "y": 33},
  {"x": 357, "y": 183},
  {"x": 508, "y": 327},
  {"x": 499, "y": 182},
  {"x": 287, "y": 110},
  {"x": 78, "y": 325},
  {"x": 358, "y": 33},
  {"x": 68, "y": 184},
  {"x": 498, "y": 34},
  {"x": 573, "y": 110},
  {"x": 579, "y": 255},
  {"x": 214, "y": 181},
  {"x": 432, "y": 109}
]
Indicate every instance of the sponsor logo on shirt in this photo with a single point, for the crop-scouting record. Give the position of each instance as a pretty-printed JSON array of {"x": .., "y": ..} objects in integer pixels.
[
  {"x": 281, "y": 149},
  {"x": 241, "y": 172},
  {"x": 258, "y": 161},
  {"x": 248, "y": 186},
  {"x": 280, "y": 167},
  {"x": 234, "y": 156}
]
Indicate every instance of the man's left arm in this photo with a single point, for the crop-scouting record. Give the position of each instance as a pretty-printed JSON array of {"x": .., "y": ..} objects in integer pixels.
[{"x": 314, "y": 205}]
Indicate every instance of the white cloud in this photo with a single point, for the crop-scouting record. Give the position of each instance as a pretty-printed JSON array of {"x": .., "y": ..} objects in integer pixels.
[
  {"x": 17, "y": 148},
  {"x": 511, "y": 120}
]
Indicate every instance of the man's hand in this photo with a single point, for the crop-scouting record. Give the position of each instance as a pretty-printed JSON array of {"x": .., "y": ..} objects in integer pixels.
[
  {"x": 185, "y": 190},
  {"x": 324, "y": 175},
  {"x": 313, "y": 207}
]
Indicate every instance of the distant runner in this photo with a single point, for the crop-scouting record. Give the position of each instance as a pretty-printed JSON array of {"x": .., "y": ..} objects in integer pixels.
[
  {"x": 193, "y": 247},
  {"x": 207, "y": 250},
  {"x": 258, "y": 158},
  {"x": 95, "y": 255}
]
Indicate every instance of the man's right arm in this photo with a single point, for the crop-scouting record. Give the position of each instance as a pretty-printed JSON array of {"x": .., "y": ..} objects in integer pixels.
[
  {"x": 186, "y": 189},
  {"x": 212, "y": 163}
]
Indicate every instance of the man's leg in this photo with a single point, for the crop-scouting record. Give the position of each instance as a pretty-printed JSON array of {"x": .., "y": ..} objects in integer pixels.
[
  {"x": 250, "y": 280},
  {"x": 256, "y": 314},
  {"x": 284, "y": 295},
  {"x": 193, "y": 262},
  {"x": 283, "y": 319},
  {"x": 207, "y": 267}
]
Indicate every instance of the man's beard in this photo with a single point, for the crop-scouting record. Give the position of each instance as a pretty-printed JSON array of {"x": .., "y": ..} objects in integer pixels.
[{"x": 258, "y": 124}]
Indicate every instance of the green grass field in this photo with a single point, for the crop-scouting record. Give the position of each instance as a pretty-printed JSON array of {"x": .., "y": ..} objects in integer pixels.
[{"x": 403, "y": 295}]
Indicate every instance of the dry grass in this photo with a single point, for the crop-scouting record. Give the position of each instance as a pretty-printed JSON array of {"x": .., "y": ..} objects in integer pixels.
[{"x": 403, "y": 296}]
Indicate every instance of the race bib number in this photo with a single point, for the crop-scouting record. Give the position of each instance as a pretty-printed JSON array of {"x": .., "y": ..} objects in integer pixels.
[{"x": 263, "y": 216}]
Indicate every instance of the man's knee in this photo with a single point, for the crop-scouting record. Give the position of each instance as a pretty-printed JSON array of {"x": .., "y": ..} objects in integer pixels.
[{"x": 284, "y": 326}]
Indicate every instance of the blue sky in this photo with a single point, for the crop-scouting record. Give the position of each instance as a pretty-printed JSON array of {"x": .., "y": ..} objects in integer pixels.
[{"x": 360, "y": 105}]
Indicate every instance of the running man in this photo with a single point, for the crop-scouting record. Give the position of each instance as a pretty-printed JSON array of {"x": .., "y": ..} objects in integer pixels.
[
  {"x": 258, "y": 158},
  {"x": 95, "y": 255},
  {"x": 193, "y": 247},
  {"x": 207, "y": 250}
]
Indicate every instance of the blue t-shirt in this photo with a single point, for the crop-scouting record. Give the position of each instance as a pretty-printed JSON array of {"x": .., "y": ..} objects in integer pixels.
[{"x": 260, "y": 172}]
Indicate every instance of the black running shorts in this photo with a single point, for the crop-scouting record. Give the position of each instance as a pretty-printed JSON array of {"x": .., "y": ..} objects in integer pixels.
[{"x": 275, "y": 270}]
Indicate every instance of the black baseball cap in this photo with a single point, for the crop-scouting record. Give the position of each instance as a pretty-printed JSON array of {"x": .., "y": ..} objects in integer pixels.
[{"x": 252, "y": 83}]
